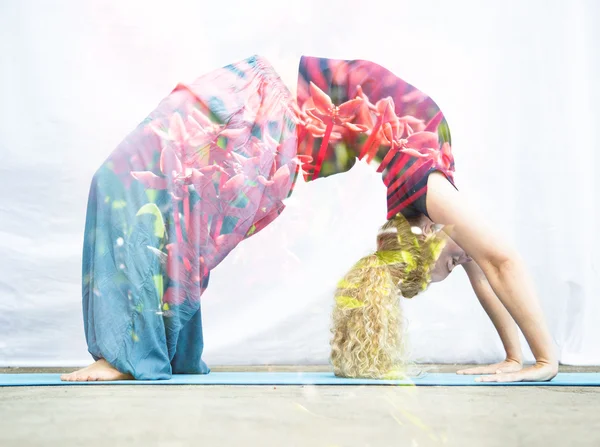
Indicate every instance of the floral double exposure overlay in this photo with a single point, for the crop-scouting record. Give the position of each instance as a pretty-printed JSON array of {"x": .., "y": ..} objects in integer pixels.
[
  {"x": 209, "y": 167},
  {"x": 227, "y": 163},
  {"x": 357, "y": 109}
]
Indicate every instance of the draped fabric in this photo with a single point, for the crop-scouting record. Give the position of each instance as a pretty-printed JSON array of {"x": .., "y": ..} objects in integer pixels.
[{"x": 206, "y": 169}]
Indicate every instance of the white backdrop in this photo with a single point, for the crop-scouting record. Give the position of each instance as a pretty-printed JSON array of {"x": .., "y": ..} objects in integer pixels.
[{"x": 516, "y": 81}]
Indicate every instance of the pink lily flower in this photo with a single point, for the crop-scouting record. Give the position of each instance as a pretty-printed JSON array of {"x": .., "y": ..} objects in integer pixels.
[
  {"x": 198, "y": 132},
  {"x": 278, "y": 188},
  {"x": 329, "y": 114},
  {"x": 188, "y": 263},
  {"x": 325, "y": 111},
  {"x": 412, "y": 124},
  {"x": 196, "y": 140},
  {"x": 361, "y": 94},
  {"x": 441, "y": 157},
  {"x": 392, "y": 136},
  {"x": 425, "y": 147},
  {"x": 385, "y": 115},
  {"x": 309, "y": 122},
  {"x": 175, "y": 174}
]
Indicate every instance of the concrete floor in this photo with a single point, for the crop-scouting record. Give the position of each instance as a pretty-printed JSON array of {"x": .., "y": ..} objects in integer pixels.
[{"x": 299, "y": 415}]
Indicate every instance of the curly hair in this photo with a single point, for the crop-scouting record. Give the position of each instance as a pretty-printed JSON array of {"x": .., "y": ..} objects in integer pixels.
[{"x": 367, "y": 320}]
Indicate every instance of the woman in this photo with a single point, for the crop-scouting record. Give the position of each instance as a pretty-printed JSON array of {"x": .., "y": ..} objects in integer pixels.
[{"x": 211, "y": 167}]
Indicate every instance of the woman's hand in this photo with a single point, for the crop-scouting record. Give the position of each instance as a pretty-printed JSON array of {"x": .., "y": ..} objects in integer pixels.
[
  {"x": 540, "y": 372},
  {"x": 506, "y": 366}
]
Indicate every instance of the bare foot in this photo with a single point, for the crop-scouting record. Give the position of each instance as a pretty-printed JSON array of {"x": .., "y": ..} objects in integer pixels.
[{"x": 100, "y": 370}]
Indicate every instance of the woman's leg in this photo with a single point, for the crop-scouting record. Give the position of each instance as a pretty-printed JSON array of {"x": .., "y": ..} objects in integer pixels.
[
  {"x": 190, "y": 344},
  {"x": 122, "y": 284}
]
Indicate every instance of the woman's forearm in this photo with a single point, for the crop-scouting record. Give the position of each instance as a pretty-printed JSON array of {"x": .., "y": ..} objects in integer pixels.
[
  {"x": 511, "y": 283},
  {"x": 501, "y": 319},
  {"x": 503, "y": 268}
]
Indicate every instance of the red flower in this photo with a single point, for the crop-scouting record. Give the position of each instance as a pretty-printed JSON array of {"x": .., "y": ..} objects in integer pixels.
[
  {"x": 279, "y": 187},
  {"x": 412, "y": 124},
  {"x": 199, "y": 131},
  {"x": 175, "y": 174},
  {"x": 441, "y": 157},
  {"x": 386, "y": 118},
  {"x": 325, "y": 111},
  {"x": 422, "y": 145}
]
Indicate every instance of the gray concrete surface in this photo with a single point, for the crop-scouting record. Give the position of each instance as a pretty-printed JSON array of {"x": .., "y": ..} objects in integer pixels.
[{"x": 299, "y": 416}]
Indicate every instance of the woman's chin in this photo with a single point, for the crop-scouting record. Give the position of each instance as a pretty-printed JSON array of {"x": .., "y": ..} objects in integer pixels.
[{"x": 439, "y": 276}]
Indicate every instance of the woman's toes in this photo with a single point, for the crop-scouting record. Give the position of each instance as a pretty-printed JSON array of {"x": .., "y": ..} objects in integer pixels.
[{"x": 67, "y": 377}]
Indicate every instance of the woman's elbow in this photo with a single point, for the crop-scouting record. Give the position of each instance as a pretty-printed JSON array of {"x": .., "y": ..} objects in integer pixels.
[{"x": 499, "y": 261}]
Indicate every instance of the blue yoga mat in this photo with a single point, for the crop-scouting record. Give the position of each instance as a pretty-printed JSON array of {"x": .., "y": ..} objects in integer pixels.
[{"x": 298, "y": 378}]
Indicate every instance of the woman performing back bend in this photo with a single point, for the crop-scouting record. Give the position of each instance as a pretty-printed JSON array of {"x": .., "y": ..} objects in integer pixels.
[{"x": 212, "y": 165}]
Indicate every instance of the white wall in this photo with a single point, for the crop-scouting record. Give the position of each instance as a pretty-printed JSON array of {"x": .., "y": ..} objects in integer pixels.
[{"x": 516, "y": 81}]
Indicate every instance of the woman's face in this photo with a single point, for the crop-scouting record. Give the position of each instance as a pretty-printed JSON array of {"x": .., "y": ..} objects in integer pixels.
[{"x": 451, "y": 256}]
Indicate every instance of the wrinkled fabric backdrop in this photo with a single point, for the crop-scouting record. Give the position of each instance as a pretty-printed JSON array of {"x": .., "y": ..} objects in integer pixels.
[{"x": 516, "y": 81}]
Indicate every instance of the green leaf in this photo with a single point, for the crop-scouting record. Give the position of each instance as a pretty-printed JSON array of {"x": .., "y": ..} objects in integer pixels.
[
  {"x": 327, "y": 168},
  {"x": 159, "y": 285},
  {"x": 341, "y": 155},
  {"x": 119, "y": 204},
  {"x": 159, "y": 225},
  {"x": 152, "y": 194},
  {"x": 444, "y": 132}
]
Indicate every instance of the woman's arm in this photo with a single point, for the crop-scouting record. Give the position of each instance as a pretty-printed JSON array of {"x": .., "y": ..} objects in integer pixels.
[
  {"x": 503, "y": 322},
  {"x": 504, "y": 270}
]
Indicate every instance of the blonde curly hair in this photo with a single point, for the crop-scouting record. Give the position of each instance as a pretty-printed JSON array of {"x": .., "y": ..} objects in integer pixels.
[{"x": 367, "y": 320}]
